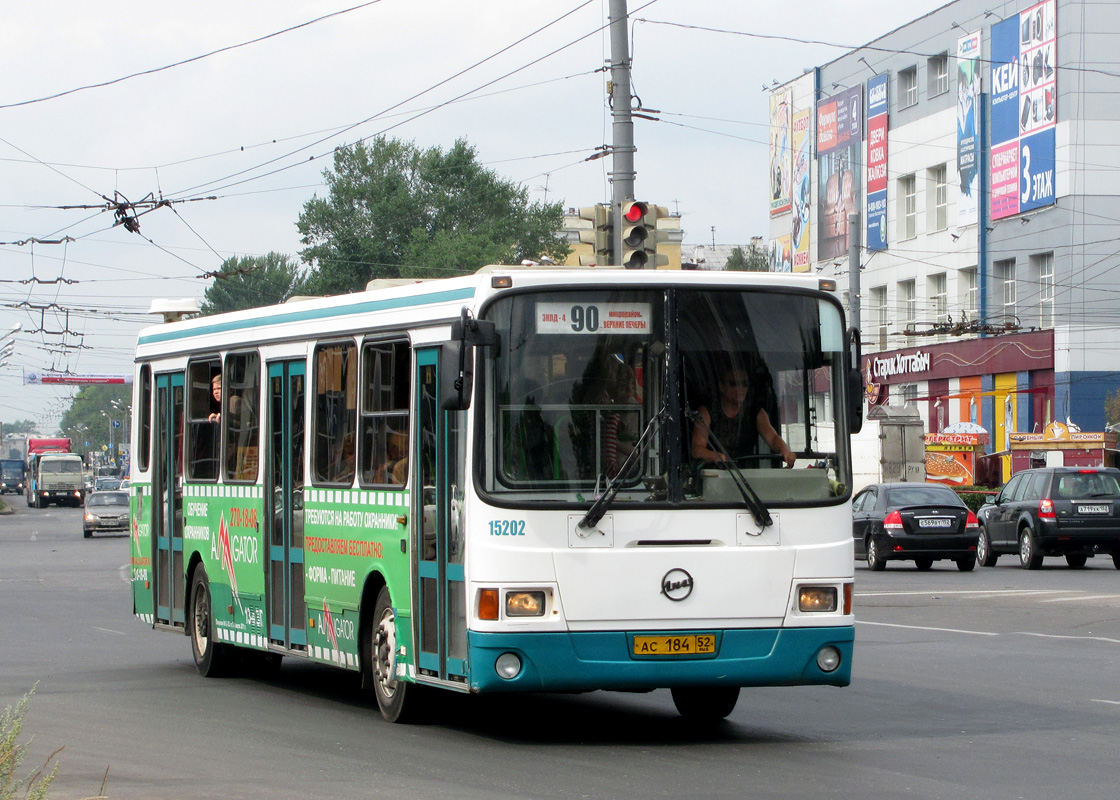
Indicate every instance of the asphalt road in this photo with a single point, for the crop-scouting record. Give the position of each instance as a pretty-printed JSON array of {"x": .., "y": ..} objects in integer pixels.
[{"x": 994, "y": 684}]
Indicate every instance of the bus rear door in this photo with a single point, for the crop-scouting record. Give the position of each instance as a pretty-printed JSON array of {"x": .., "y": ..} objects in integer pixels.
[
  {"x": 167, "y": 502},
  {"x": 287, "y": 608}
]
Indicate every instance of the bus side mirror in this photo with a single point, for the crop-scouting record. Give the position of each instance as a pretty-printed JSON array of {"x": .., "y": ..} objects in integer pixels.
[
  {"x": 855, "y": 382},
  {"x": 457, "y": 360},
  {"x": 456, "y": 375}
]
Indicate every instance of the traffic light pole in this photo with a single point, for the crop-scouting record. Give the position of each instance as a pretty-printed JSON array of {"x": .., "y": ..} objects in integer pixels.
[{"x": 622, "y": 163}]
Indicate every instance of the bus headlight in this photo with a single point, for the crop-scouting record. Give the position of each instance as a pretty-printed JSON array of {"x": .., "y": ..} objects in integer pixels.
[
  {"x": 525, "y": 604},
  {"x": 828, "y": 659},
  {"x": 817, "y": 598}
]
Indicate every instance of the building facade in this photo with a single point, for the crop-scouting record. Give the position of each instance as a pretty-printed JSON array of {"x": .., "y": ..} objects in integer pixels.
[{"x": 975, "y": 147}]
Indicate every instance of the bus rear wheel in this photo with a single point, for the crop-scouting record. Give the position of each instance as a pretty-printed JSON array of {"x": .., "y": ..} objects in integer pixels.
[
  {"x": 705, "y": 703},
  {"x": 399, "y": 701},
  {"x": 210, "y": 658}
]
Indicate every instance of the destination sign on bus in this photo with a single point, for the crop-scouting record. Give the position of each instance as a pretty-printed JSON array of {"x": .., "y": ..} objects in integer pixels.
[{"x": 594, "y": 318}]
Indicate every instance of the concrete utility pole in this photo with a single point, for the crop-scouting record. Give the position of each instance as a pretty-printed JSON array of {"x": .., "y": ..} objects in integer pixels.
[
  {"x": 622, "y": 151},
  {"x": 853, "y": 272}
]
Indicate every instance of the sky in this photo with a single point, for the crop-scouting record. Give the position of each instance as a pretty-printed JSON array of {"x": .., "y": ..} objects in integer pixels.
[{"x": 231, "y": 111}]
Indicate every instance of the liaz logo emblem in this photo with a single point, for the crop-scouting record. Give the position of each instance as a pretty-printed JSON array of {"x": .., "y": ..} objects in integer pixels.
[{"x": 676, "y": 585}]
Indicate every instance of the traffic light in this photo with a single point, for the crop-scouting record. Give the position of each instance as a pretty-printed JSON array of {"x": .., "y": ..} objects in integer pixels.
[
  {"x": 635, "y": 233},
  {"x": 642, "y": 233},
  {"x": 595, "y": 228},
  {"x": 659, "y": 226}
]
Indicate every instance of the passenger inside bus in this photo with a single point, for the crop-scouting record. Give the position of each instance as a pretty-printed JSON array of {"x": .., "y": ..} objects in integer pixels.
[
  {"x": 617, "y": 390},
  {"x": 736, "y": 418}
]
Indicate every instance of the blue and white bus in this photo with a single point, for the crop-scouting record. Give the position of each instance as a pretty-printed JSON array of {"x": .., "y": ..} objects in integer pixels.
[{"x": 486, "y": 484}]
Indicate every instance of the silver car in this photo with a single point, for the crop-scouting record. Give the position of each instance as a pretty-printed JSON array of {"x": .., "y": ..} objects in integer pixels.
[{"x": 106, "y": 511}]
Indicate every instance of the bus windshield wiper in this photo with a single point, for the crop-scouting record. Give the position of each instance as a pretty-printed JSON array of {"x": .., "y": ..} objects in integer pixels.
[
  {"x": 754, "y": 503},
  {"x": 600, "y": 506}
]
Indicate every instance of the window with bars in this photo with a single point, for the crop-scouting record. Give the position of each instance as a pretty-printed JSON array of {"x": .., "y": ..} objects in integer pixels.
[
  {"x": 907, "y": 303},
  {"x": 938, "y": 301},
  {"x": 938, "y": 69},
  {"x": 1044, "y": 266},
  {"x": 879, "y": 312},
  {"x": 970, "y": 291},
  {"x": 1004, "y": 274},
  {"x": 907, "y": 207},
  {"x": 908, "y": 87},
  {"x": 938, "y": 199}
]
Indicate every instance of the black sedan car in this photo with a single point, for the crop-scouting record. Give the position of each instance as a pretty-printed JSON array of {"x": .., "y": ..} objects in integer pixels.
[
  {"x": 1053, "y": 511},
  {"x": 919, "y": 522},
  {"x": 105, "y": 511}
]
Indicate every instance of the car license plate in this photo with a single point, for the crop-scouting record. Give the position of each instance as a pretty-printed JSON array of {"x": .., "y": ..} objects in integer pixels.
[
  {"x": 935, "y": 522},
  {"x": 1093, "y": 509},
  {"x": 688, "y": 645}
]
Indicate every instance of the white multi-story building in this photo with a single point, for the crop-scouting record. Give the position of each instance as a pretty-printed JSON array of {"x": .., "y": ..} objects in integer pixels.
[{"x": 977, "y": 146}]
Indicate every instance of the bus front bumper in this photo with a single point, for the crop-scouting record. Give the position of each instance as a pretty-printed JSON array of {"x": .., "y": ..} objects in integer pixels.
[{"x": 604, "y": 660}]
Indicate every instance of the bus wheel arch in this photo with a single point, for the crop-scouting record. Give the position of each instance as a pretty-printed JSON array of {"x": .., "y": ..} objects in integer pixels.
[
  {"x": 211, "y": 658},
  {"x": 398, "y": 700},
  {"x": 375, "y": 581}
]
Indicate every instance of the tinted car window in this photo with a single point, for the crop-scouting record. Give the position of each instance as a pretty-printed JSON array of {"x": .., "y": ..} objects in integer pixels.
[
  {"x": 919, "y": 495},
  {"x": 108, "y": 499},
  {"x": 1007, "y": 494},
  {"x": 1087, "y": 485},
  {"x": 1038, "y": 486},
  {"x": 864, "y": 501}
]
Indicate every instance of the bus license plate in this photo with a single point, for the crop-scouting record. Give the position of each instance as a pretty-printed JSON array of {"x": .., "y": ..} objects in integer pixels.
[
  {"x": 687, "y": 645},
  {"x": 1092, "y": 509}
]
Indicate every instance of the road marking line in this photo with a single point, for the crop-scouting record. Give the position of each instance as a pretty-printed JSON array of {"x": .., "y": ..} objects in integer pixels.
[
  {"x": 1059, "y": 636},
  {"x": 924, "y": 628},
  {"x": 970, "y": 591},
  {"x": 1110, "y": 702},
  {"x": 1083, "y": 597},
  {"x": 107, "y": 630}
]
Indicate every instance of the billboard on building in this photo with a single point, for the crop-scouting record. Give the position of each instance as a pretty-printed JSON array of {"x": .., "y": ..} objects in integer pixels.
[
  {"x": 781, "y": 161},
  {"x": 968, "y": 140},
  {"x": 1024, "y": 110},
  {"x": 802, "y": 191},
  {"x": 839, "y": 135},
  {"x": 877, "y": 108},
  {"x": 780, "y": 254}
]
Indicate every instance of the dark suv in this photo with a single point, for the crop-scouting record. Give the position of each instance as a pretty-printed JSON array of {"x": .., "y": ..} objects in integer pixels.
[{"x": 1055, "y": 511}]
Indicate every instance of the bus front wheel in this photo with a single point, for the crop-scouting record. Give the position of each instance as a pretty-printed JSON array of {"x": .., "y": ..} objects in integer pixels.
[
  {"x": 211, "y": 659},
  {"x": 399, "y": 701},
  {"x": 705, "y": 703}
]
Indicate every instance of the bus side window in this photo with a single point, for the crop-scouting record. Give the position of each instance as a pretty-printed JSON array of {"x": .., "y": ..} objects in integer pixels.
[
  {"x": 144, "y": 419},
  {"x": 203, "y": 434},
  {"x": 386, "y": 371},
  {"x": 334, "y": 445},
  {"x": 240, "y": 416}
]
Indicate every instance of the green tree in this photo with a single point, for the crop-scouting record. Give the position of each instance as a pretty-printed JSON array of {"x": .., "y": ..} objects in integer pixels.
[
  {"x": 20, "y": 426},
  {"x": 1112, "y": 408},
  {"x": 750, "y": 260},
  {"x": 393, "y": 210},
  {"x": 251, "y": 281},
  {"x": 89, "y": 417}
]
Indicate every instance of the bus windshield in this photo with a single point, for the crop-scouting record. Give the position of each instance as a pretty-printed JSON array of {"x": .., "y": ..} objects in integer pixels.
[{"x": 725, "y": 379}]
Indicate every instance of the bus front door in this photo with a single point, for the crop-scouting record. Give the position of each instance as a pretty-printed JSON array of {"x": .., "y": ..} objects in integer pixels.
[
  {"x": 287, "y": 610},
  {"x": 167, "y": 502},
  {"x": 437, "y": 499}
]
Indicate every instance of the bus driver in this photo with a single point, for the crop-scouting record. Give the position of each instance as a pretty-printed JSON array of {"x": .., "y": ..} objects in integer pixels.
[{"x": 736, "y": 420}]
